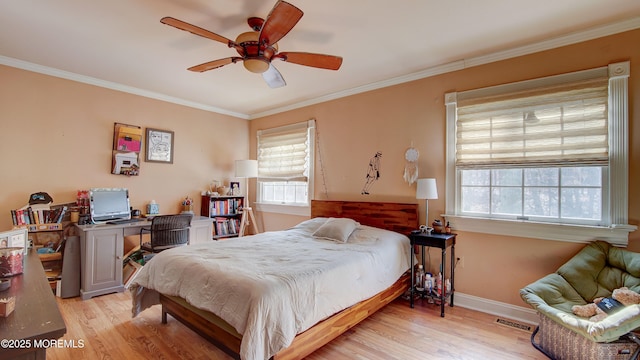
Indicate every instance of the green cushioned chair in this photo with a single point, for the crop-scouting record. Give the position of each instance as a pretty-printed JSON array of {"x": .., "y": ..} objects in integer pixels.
[{"x": 595, "y": 271}]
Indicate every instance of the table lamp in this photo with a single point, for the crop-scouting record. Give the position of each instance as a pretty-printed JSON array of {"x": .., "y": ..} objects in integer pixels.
[
  {"x": 247, "y": 169},
  {"x": 426, "y": 190}
]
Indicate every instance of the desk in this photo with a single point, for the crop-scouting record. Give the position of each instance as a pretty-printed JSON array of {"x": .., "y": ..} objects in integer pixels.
[
  {"x": 36, "y": 316},
  {"x": 101, "y": 252},
  {"x": 442, "y": 241}
]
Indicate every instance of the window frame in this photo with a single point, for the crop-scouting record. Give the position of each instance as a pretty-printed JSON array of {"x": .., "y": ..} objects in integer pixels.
[
  {"x": 290, "y": 208},
  {"x": 604, "y": 212},
  {"x": 616, "y": 231}
]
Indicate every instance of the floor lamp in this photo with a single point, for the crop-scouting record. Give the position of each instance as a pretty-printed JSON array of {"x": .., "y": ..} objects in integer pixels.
[
  {"x": 426, "y": 190},
  {"x": 247, "y": 169}
]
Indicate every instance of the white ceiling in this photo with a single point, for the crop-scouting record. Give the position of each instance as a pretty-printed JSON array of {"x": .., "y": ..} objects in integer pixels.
[{"x": 121, "y": 44}]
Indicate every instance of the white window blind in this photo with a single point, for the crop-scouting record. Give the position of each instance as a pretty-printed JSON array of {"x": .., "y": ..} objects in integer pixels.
[
  {"x": 498, "y": 168},
  {"x": 283, "y": 153},
  {"x": 557, "y": 125}
]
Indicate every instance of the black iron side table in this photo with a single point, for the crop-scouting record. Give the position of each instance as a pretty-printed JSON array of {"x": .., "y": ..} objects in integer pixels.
[{"x": 442, "y": 241}]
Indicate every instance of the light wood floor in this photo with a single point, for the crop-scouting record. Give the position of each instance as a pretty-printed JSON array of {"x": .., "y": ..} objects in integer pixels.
[{"x": 105, "y": 326}]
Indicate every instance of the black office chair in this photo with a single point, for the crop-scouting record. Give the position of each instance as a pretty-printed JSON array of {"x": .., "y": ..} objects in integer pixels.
[{"x": 166, "y": 232}]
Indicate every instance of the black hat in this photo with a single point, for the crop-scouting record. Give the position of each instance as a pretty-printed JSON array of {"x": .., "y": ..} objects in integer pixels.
[{"x": 40, "y": 198}]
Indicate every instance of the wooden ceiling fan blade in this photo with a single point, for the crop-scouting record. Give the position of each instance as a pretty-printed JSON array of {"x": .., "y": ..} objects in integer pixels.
[
  {"x": 282, "y": 18},
  {"x": 322, "y": 61},
  {"x": 214, "y": 64},
  {"x": 179, "y": 24},
  {"x": 273, "y": 78}
]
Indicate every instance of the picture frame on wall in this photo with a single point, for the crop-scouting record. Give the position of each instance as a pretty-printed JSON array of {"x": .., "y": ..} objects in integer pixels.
[{"x": 159, "y": 146}]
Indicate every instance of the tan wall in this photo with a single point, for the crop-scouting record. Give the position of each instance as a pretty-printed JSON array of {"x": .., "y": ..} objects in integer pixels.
[
  {"x": 389, "y": 120},
  {"x": 57, "y": 137}
]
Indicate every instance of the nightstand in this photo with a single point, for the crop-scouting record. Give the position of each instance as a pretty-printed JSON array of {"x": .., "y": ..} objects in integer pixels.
[{"x": 442, "y": 241}]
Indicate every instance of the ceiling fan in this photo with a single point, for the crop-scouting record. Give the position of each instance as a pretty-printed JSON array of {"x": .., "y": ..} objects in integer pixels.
[{"x": 259, "y": 47}]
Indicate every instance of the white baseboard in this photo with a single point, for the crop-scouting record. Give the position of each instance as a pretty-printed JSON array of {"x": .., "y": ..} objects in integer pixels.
[{"x": 498, "y": 308}]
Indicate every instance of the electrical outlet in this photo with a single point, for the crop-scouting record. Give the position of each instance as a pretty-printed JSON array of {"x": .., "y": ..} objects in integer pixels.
[{"x": 460, "y": 260}]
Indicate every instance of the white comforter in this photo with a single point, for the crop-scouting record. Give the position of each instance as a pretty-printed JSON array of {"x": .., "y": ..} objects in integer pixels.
[{"x": 274, "y": 285}]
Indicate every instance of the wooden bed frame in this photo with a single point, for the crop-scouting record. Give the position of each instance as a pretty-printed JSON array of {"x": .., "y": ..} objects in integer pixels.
[{"x": 402, "y": 218}]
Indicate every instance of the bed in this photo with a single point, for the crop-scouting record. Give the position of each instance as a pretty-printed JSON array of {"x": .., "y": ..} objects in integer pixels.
[{"x": 328, "y": 311}]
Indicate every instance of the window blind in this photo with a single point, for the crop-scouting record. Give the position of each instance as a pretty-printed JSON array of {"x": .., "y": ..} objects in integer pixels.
[
  {"x": 557, "y": 125},
  {"x": 283, "y": 152}
]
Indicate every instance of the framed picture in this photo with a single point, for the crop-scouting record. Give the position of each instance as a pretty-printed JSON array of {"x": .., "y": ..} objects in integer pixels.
[
  {"x": 235, "y": 188},
  {"x": 159, "y": 146},
  {"x": 15, "y": 238}
]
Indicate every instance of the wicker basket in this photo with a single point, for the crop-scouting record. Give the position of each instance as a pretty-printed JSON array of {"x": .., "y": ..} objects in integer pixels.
[{"x": 564, "y": 344}]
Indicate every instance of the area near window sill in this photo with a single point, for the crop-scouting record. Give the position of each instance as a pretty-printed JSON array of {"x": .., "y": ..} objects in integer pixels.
[
  {"x": 616, "y": 234},
  {"x": 300, "y": 210}
]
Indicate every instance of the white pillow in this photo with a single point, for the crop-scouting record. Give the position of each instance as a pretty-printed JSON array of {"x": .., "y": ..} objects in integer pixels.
[
  {"x": 336, "y": 229},
  {"x": 310, "y": 225}
]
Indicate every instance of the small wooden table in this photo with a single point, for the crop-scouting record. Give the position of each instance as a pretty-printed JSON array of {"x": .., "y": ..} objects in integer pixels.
[
  {"x": 36, "y": 320},
  {"x": 442, "y": 241}
]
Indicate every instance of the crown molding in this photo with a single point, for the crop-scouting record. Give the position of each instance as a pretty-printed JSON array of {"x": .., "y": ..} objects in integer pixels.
[
  {"x": 556, "y": 42},
  {"x": 548, "y": 44},
  {"x": 441, "y": 69},
  {"x": 25, "y": 65}
]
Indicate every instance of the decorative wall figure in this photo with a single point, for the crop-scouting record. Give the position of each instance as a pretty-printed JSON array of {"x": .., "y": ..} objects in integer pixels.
[
  {"x": 411, "y": 165},
  {"x": 373, "y": 172}
]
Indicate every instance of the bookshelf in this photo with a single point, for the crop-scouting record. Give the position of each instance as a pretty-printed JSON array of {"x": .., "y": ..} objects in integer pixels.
[
  {"x": 226, "y": 212},
  {"x": 45, "y": 229},
  {"x": 47, "y": 235},
  {"x": 29, "y": 217},
  {"x": 40, "y": 227}
]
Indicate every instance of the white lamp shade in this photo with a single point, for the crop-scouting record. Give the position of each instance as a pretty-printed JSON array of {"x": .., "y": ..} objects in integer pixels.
[
  {"x": 426, "y": 189},
  {"x": 246, "y": 168}
]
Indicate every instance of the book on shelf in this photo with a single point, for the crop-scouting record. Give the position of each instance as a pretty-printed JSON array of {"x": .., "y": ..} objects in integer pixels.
[
  {"x": 29, "y": 216},
  {"x": 227, "y": 226},
  {"x": 224, "y": 206}
]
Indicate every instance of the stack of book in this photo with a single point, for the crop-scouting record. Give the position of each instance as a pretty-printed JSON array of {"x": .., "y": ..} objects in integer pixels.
[
  {"x": 30, "y": 216},
  {"x": 225, "y": 207},
  {"x": 227, "y": 226}
]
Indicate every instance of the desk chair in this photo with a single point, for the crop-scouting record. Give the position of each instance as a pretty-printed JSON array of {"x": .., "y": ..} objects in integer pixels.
[{"x": 166, "y": 232}]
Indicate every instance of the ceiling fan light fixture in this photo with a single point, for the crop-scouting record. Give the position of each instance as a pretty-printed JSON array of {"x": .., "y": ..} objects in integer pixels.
[
  {"x": 252, "y": 38},
  {"x": 257, "y": 65},
  {"x": 257, "y": 48},
  {"x": 249, "y": 36}
]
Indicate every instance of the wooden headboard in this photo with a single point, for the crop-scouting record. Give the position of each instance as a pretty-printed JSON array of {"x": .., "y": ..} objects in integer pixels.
[{"x": 398, "y": 217}]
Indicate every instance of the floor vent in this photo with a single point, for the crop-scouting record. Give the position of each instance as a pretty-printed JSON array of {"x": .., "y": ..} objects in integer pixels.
[{"x": 514, "y": 324}]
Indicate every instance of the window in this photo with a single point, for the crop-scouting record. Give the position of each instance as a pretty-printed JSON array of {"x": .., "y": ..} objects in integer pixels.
[
  {"x": 527, "y": 158},
  {"x": 547, "y": 194},
  {"x": 285, "y": 168}
]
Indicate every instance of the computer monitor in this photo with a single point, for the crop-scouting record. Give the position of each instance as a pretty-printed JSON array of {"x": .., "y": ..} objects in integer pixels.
[{"x": 107, "y": 204}]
